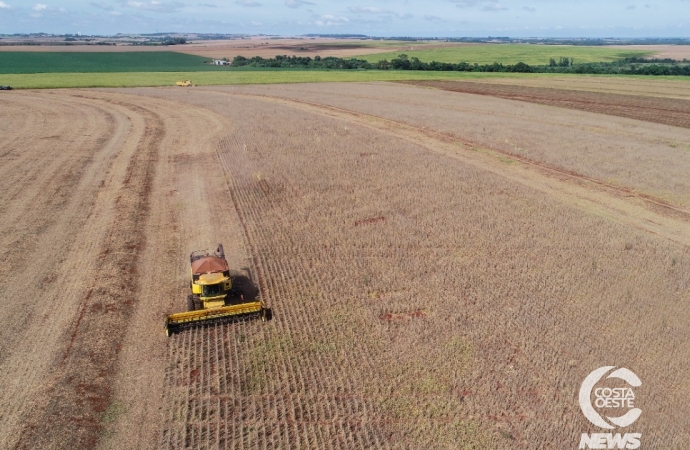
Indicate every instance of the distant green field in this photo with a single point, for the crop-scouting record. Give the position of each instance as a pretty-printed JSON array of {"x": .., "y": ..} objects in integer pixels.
[
  {"x": 511, "y": 54},
  {"x": 92, "y": 62},
  {"x": 140, "y": 79}
]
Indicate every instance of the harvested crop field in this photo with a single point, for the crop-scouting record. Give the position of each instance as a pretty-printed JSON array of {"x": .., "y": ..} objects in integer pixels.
[
  {"x": 632, "y": 85},
  {"x": 669, "y": 111},
  {"x": 444, "y": 268}
]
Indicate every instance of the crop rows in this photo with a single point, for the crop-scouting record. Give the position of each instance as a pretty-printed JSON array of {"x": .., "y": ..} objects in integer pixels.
[{"x": 417, "y": 303}]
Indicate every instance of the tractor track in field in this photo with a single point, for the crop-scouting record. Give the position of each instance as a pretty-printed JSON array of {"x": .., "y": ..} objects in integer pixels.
[
  {"x": 66, "y": 196},
  {"x": 655, "y": 215},
  {"x": 79, "y": 390}
]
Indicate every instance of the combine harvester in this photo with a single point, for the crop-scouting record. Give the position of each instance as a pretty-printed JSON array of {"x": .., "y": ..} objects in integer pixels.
[{"x": 213, "y": 297}]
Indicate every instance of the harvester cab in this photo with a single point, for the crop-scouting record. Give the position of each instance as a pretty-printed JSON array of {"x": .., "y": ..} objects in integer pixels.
[
  {"x": 213, "y": 296},
  {"x": 210, "y": 281}
]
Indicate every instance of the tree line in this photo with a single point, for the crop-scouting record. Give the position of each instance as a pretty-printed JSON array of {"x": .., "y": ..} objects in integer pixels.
[{"x": 628, "y": 66}]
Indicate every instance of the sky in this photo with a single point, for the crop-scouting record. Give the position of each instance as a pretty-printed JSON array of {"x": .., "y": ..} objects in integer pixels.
[{"x": 432, "y": 18}]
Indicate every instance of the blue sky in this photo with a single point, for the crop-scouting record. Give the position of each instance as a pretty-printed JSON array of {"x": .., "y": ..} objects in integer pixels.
[{"x": 518, "y": 18}]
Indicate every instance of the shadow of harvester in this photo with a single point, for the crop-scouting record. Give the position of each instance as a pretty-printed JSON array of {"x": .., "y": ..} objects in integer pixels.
[{"x": 243, "y": 288}]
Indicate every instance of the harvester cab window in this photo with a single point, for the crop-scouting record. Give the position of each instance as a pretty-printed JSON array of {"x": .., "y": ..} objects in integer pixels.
[{"x": 211, "y": 290}]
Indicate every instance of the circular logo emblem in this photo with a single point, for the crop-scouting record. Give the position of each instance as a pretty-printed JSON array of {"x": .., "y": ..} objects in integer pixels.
[{"x": 610, "y": 397}]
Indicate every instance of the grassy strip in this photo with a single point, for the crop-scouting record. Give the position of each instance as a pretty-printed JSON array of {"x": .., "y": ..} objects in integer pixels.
[
  {"x": 141, "y": 79},
  {"x": 511, "y": 54}
]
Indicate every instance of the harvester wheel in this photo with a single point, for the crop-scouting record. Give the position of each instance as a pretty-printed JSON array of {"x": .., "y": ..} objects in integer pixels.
[{"x": 190, "y": 303}]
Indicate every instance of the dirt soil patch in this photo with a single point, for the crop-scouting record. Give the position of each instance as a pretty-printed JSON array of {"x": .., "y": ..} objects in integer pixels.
[
  {"x": 668, "y": 111},
  {"x": 678, "y": 52}
]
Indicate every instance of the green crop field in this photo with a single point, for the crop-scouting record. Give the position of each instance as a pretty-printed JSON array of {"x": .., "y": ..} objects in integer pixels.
[
  {"x": 511, "y": 54},
  {"x": 91, "y": 62}
]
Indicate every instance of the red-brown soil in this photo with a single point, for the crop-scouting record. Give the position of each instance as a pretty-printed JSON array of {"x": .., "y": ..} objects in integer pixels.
[{"x": 669, "y": 111}]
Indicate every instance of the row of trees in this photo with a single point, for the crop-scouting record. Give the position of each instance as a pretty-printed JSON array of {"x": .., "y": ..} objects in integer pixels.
[
  {"x": 630, "y": 66},
  {"x": 402, "y": 62}
]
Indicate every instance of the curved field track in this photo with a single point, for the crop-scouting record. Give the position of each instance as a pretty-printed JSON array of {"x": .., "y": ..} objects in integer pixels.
[
  {"x": 86, "y": 263},
  {"x": 440, "y": 275}
]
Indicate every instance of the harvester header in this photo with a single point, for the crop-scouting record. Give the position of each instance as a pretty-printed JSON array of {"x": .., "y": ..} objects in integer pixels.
[{"x": 214, "y": 296}]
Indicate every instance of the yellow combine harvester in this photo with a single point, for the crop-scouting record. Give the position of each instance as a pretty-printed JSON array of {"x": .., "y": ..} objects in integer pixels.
[
  {"x": 185, "y": 83},
  {"x": 213, "y": 297}
]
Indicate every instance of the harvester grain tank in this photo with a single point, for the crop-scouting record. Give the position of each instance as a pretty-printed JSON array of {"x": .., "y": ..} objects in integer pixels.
[{"x": 213, "y": 296}]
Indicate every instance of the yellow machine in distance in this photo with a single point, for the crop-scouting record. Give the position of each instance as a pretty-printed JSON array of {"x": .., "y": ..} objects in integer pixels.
[
  {"x": 185, "y": 83},
  {"x": 214, "y": 296}
]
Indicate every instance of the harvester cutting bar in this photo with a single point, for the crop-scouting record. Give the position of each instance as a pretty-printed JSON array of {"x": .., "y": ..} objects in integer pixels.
[{"x": 175, "y": 322}]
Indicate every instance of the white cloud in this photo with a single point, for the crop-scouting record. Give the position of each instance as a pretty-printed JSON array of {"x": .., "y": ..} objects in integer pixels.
[
  {"x": 404, "y": 16},
  {"x": 529, "y": 8},
  {"x": 39, "y": 7},
  {"x": 155, "y": 5},
  {"x": 4, "y": 5},
  {"x": 250, "y": 3},
  {"x": 102, "y": 5},
  {"x": 368, "y": 10},
  {"x": 494, "y": 7},
  {"x": 464, "y": 3},
  {"x": 296, "y": 3},
  {"x": 327, "y": 20},
  {"x": 432, "y": 18},
  {"x": 485, "y": 5}
]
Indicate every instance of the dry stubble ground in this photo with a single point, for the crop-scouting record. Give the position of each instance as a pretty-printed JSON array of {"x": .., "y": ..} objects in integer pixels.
[{"x": 423, "y": 298}]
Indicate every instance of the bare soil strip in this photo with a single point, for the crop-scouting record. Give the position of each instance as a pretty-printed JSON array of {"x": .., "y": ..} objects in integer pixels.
[
  {"x": 675, "y": 112},
  {"x": 654, "y": 87},
  {"x": 661, "y": 51}
]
